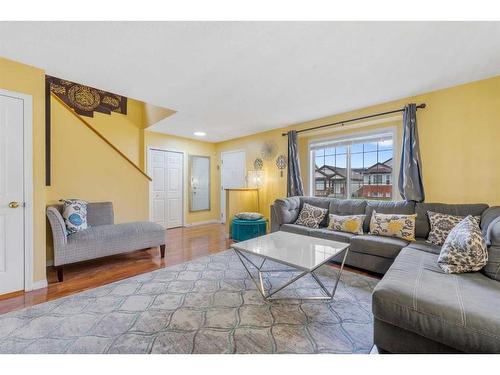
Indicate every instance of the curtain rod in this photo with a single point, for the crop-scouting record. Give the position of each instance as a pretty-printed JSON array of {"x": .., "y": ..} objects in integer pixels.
[{"x": 420, "y": 106}]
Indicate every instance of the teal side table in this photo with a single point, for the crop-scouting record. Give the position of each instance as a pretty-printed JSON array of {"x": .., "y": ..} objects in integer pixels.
[{"x": 242, "y": 230}]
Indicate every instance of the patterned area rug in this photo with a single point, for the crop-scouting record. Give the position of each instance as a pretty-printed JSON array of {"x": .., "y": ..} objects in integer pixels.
[{"x": 208, "y": 305}]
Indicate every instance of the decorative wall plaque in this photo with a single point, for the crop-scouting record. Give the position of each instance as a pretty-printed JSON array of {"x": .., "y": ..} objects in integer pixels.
[
  {"x": 258, "y": 164},
  {"x": 281, "y": 163}
]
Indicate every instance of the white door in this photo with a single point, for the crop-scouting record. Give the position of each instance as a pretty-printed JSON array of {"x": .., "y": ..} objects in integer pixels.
[
  {"x": 11, "y": 195},
  {"x": 166, "y": 169},
  {"x": 233, "y": 175}
]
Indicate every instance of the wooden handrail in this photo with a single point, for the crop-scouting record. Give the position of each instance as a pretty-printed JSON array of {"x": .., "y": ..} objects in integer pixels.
[{"x": 100, "y": 135}]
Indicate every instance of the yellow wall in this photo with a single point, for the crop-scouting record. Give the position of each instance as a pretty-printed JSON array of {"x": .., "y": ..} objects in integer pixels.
[
  {"x": 123, "y": 131},
  {"x": 29, "y": 80},
  {"x": 459, "y": 133},
  {"x": 154, "y": 114},
  {"x": 190, "y": 147}
]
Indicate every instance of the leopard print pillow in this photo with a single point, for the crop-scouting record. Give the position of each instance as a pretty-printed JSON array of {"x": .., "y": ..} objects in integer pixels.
[
  {"x": 441, "y": 226},
  {"x": 464, "y": 249},
  {"x": 311, "y": 216}
]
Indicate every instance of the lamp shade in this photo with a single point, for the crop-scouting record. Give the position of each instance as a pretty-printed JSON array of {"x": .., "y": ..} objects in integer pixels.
[{"x": 255, "y": 179}]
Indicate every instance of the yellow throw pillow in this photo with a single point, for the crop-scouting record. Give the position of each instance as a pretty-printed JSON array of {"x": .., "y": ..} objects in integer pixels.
[
  {"x": 393, "y": 225},
  {"x": 350, "y": 223}
]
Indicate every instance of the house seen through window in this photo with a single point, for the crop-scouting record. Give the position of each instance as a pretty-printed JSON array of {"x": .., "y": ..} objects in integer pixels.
[{"x": 361, "y": 168}]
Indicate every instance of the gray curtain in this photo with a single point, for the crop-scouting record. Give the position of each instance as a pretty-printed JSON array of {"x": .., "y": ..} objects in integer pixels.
[
  {"x": 294, "y": 181},
  {"x": 411, "y": 187}
]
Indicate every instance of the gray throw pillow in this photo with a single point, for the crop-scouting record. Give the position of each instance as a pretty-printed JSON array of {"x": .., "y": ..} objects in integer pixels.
[
  {"x": 311, "y": 216},
  {"x": 249, "y": 216},
  {"x": 464, "y": 249}
]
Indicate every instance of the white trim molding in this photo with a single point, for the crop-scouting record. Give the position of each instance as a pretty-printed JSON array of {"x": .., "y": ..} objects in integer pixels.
[
  {"x": 28, "y": 184},
  {"x": 40, "y": 284},
  {"x": 198, "y": 223}
]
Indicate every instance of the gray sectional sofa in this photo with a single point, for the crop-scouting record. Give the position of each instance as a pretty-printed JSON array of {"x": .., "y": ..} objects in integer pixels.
[
  {"x": 102, "y": 238},
  {"x": 417, "y": 307}
]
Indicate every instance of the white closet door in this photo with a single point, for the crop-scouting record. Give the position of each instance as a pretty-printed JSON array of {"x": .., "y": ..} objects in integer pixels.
[
  {"x": 174, "y": 189},
  {"x": 166, "y": 170},
  {"x": 11, "y": 195}
]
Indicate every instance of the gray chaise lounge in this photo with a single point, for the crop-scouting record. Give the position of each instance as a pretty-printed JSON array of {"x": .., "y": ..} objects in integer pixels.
[
  {"x": 417, "y": 308},
  {"x": 103, "y": 238}
]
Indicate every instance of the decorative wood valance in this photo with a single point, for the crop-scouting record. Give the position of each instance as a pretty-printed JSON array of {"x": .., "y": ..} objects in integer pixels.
[{"x": 86, "y": 100}]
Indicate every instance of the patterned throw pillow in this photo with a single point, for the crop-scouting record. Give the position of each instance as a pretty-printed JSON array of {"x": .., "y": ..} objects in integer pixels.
[
  {"x": 349, "y": 223},
  {"x": 464, "y": 249},
  {"x": 441, "y": 226},
  {"x": 393, "y": 225},
  {"x": 75, "y": 215},
  {"x": 249, "y": 216},
  {"x": 311, "y": 216}
]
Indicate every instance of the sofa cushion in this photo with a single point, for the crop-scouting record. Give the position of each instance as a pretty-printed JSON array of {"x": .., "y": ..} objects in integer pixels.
[
  {"x": 249, "y": 216},
  {"x": 331, "y": 235},
  {"x": 422, "y": 245},
  {"x": 345, "y": 207},
  {"x": 387, "y": 247},
  {"x": 423, "y": 226},
  {"x": 317, "y": 202},
  {"x": 104, "y": 240},
  {"x": 295, "y": 228},
  {"x": 387, "y": 207},
  {"x": 311, "y": 216},
  {"x": 287, "y": 210},
  {"x": 460, "y": 311}
]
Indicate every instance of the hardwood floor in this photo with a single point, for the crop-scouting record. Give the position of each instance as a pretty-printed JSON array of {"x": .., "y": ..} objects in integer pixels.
[{"x": 183, "y": 244}]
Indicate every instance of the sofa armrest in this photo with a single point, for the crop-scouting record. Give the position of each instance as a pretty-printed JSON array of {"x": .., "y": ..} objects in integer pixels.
[
  {"x": 490, "y": 225},
  {"x": 493, "y": 233},
  {"x": 284, "y": 211},
  {"x": 59, "y": 233}
]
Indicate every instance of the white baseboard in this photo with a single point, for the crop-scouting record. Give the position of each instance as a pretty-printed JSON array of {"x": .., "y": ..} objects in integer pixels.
[
  {"x": 40, "y": 284},
  {"x": 196, "y": 223}
]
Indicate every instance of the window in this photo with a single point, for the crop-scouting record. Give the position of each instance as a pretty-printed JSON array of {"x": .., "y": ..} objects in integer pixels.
[{"x": 359, "y": 167}]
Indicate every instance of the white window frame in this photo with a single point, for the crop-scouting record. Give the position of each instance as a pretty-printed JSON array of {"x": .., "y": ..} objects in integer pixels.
[{"x": 391, "y": 130}]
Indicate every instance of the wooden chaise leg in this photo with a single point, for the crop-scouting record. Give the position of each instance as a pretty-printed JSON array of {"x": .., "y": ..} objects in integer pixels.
[
  {"x": 162, "y": 251},
  {"x": 60, "y": 273}
]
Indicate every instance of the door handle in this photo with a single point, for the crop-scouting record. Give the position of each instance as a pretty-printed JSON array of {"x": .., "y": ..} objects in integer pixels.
[{"x": 14, "y": 204}]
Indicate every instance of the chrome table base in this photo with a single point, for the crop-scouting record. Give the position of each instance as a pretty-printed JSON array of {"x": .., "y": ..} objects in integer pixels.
[{"x": 267, "y": 295}]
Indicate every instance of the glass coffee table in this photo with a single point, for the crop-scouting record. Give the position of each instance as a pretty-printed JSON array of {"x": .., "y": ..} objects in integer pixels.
[{"x": 303, "y": 254}]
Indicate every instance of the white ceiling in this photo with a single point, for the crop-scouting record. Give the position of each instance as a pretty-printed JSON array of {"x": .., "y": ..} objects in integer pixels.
[{"x": 231, "y": 79}]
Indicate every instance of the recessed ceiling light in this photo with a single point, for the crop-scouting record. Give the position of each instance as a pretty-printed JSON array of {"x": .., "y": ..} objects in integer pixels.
[{"x": 200, "y": 134}]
